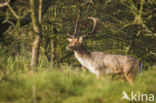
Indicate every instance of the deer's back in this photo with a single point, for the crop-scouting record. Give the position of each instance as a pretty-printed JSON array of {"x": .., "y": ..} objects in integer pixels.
[{"x": 113, "y": 61}]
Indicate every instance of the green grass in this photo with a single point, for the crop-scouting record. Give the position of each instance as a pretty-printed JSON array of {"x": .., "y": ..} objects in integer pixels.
[
  {"x": 65, "y": 84},
  {"x": 69, "y": 85}
]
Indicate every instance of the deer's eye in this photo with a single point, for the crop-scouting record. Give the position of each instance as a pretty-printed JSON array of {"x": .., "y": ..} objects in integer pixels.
[{"x": 76, "y": 43}]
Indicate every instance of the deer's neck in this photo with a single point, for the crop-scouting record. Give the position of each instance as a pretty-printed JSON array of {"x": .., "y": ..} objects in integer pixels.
[
  {"x": 82, "y": 53},
  {"x": 84, "y": 57}
]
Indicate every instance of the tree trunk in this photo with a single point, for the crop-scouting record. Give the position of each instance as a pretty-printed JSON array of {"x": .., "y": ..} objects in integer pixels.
[
  {"x": 2, "y": 74},
  {"x": 37, "y": 32},
  {"x": 53, "y": 52}
]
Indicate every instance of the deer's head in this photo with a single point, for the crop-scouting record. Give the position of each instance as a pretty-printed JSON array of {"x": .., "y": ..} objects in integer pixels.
[{"x": 76, "y": 40}]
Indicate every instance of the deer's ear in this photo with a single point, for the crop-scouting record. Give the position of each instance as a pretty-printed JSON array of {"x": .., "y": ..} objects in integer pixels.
[
  {"x": 80, "y": 39},
  {"x": 69, "y": 39}
]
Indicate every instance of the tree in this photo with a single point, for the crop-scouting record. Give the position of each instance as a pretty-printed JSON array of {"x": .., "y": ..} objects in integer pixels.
[{"x": 36, "y": 22}]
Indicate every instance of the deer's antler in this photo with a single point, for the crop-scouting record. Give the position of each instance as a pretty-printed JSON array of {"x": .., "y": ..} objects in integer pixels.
[
  {"x": 75, "y": 34},
  {"x": 95, "y": 26},
  {"x": 76, "y": 28}
]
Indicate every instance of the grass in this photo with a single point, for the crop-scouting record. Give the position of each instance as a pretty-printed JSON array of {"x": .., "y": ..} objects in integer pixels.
[{"x": 67, "y": 85}]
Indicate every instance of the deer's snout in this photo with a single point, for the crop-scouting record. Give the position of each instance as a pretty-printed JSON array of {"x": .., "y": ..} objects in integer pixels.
[{"x": 69, "y": 47}]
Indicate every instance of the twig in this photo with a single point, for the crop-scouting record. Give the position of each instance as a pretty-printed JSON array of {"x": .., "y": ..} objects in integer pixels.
[{"x": 4, "y": 4}]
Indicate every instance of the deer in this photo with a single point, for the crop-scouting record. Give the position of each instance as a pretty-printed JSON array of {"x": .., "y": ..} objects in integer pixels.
[{"x": 99, "y": 62}]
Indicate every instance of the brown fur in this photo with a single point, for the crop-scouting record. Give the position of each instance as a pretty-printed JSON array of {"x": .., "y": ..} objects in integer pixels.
[{"x": 100, "y": 62}]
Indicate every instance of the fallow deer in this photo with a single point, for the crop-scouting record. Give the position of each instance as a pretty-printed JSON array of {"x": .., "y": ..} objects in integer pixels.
[{"x": 100, "y": 62}]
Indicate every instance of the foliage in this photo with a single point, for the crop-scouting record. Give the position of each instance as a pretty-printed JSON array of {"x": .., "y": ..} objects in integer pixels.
[
  {"x": 66, "y": 84},
  {"x": 126, "y": 27}
]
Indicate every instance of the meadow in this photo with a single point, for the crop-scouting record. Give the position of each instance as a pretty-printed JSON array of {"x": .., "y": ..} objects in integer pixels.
[{"x": 67, "y": 84}]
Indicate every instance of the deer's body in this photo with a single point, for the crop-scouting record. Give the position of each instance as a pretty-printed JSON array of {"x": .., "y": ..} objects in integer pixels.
[{"x": 100, "y": 62}]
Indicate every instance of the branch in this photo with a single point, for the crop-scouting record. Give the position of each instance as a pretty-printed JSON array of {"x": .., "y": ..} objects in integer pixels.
[
  {"x": 40, "y": 11},
  {"x": 13, "y": 12},
  {"x": 4, "y": 4},
  {"x": 11, "y": 9}
]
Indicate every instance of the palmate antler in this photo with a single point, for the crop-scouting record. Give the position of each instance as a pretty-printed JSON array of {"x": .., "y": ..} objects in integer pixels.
[
  {"x": 95, "y": 26},
  {"x": 76, "y": 33}
]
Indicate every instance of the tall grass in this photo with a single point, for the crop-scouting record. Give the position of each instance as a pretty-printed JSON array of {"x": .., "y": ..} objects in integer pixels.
[{"x": 65, "y": 84}]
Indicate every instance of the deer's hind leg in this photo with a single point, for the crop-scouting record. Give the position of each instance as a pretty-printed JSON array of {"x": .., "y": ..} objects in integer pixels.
[
  {"x": 129, "y": 77},
  {"x": 131, "y": 74},
  {"x": 117, "y": 71}
]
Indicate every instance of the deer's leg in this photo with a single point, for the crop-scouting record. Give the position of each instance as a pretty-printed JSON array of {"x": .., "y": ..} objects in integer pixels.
[
  {"x": 131, "y": 74},
  {"x": 123, "y": 77},
  {"x": 84, "y": 69},
  {"x": 98, "y": 74},
  {"x": 130, "y": 78},
  {"x": 115, "y": 74},
  {"x": 116, "y": 71}
]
